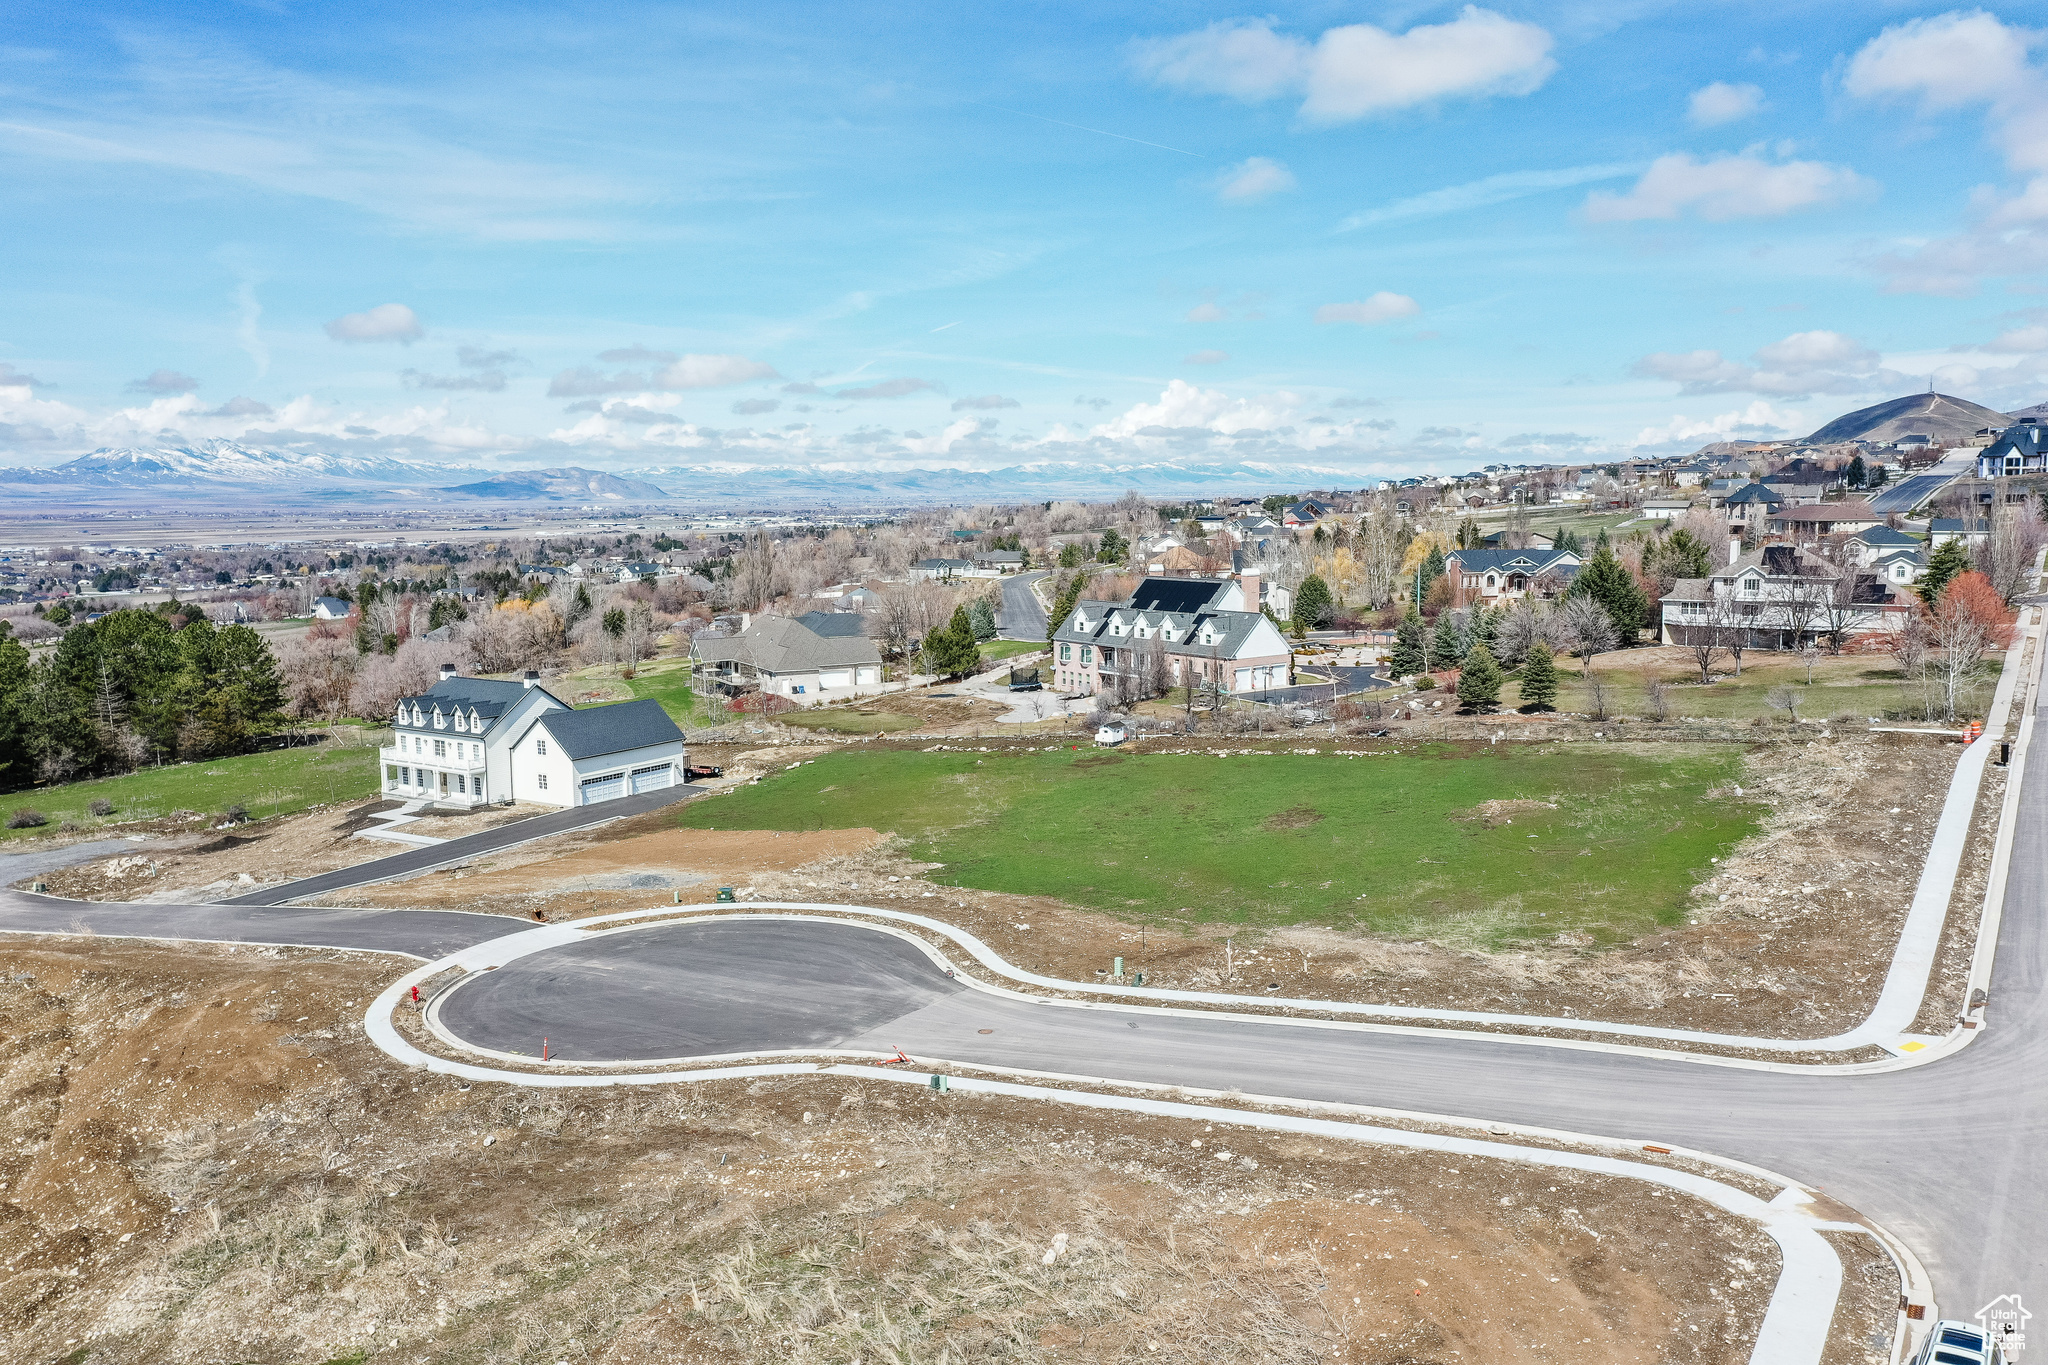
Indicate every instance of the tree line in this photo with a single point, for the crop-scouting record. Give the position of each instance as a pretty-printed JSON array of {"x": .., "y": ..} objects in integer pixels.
[{"x": 134, "y": 688}]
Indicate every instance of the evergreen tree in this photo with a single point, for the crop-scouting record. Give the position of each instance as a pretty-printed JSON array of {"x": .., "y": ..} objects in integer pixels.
[
  {"x": 1878, "y": 476},
  {"x": 951, "y": 650},
  {"x": 1468, "y": 534},
  {"x": 1949, "y": 559},
  {"x": 1070, "y": 555},
  {"x": 1607, "y": 581},
  {"x": 1858, "y": 474},
  {"x": 1479, "y": 683},
  {"x": 1539, "y": 679},
  {"x": 16, "y": 769},
  {"x": 1448, "y": 646},
  {"x": 983, "y": 615},
  {"x": 1432, "y": 568},
  {"x": 1313, "y": 604},
  {"x": 1114, "y": 547},
  {"x": 1686, "y": 556},
  {"x": 1486, "y": 629},
  {"x": 1406, "y": 659},
  {"x": 1063, "y": 604},
  {"x": 1568, "y": 541}
]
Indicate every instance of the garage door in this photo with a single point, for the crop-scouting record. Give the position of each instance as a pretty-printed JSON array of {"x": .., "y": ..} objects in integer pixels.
[
  {"x": 606, "y": 788},
  {"x": 653, "y": 779}
]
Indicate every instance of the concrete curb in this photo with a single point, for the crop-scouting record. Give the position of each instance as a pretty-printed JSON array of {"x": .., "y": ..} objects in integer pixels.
[{"x": 1796, "y": 1323}]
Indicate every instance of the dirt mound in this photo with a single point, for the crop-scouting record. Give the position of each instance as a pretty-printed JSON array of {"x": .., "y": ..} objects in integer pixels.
[
  {"x": 1294, "y": 817},
  {"x": 1494, "y": 814}
]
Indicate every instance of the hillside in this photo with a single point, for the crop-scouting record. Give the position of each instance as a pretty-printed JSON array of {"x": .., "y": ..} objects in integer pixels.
[{"x": 1943, "y": 417}]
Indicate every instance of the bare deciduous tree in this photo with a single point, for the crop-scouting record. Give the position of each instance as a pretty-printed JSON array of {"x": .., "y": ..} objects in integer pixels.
[{"x": 1588, "y": 629}]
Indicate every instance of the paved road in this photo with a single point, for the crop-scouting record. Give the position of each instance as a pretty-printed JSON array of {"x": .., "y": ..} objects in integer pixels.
[
  {"x": 1020, "y": 617},
  {"x": 427, "y": 934},
  {"x": 1349, "y": 681},
  {"x": 19, "y": 867},
  {"x": 416, "y": 860},
  {"x": 1911, "y": 491}
]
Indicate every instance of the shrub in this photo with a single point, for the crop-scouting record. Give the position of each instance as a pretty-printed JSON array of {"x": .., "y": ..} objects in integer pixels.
[
  {"x": 235, "y": 815},
  {"x": 26, "y": 817},
  {"x": 1424, "y": 682},
  {"x": 99, "y": 805}
]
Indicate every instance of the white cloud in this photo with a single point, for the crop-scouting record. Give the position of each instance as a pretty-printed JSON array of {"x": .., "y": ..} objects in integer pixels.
[
  {"x": 385, "y": 322},
  {"x": 2019, "y": 341},
  {"x": 754, "y": 407},
  {"x": 1183, "y": 406},
  {"x": 484, "y": 381},
  {"x": 1206, "y": 358},
  {"x": 1725, "y": 187},
  {"x": 1253, "y": 179},
  {"x": 1719, "y": 103},
  {"x": 680, "y": 372},
  {"x": 987, "y": 402},
  {"x": 1381, "y": 307},
  {"x": 1955, "y": 61},
  {"x": 1759, "y": 420},
  {"x": 1801, "y": 364},
  {"x": 238, "y": 406},
  {"x": 1205, "y": 312},
  {"x": 1356, "y": 70},
  {"x": 1478, "y": 194},
  {"x": 889, "y": 388}
]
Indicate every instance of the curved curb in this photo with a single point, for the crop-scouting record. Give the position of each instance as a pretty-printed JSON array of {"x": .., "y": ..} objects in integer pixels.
[{"x": 1796, "y": 1323}]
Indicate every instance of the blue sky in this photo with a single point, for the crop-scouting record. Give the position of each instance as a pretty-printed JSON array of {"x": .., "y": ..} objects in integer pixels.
[{"x": 1363, "y": 237}]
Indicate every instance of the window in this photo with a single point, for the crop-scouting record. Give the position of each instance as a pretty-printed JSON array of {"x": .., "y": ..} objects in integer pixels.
[
  {"x": 440, "y": 748},
  {"x": 543, "y": 781},
  {"x": 461, "y": 722},
  {"x": 1087, "y": 654},
  {"x": 1066, "y": 653},
  {"x": 458, "y": 783},
  {"x": 419, "y": 746},
  {"x": 540, "y": 746}
]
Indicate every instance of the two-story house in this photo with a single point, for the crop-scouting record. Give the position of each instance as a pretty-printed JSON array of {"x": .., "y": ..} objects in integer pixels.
[
  {"x": 467, "y": 742},
  {"x": 1198, "y": 630},
  {"x": 1490, "y": 576},
  {"x": 1752, "y": 505},
  {"x": 1779, "y": 597},
  {"x": 804, "y": 658},
  {"x": 2021, "y": 449}
]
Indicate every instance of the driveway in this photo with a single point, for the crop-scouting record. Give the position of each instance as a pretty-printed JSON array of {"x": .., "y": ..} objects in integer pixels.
[
  {"x": 1021, "y": 617},
  {"x": 1348, "y": 681}
]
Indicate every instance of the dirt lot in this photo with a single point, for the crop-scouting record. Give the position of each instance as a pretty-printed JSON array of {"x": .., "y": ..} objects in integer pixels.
[
  {"x": 206, "y": 1162},
  {"x": 262, "y": 851}
]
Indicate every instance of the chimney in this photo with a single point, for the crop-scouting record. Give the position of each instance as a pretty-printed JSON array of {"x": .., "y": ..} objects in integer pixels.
[
  {"x": 1249, "y": 581},
  {"x": 447, "y": 672},
  {"x": 532, "y": 677},
  {"x": 1734, "y": 548}
]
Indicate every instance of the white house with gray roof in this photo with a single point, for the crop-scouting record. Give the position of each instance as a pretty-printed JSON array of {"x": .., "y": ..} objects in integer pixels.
[
  {"x": 1199, "y": 630},
  {"x": 466, "y": 742},
  {"x": 819, "y": 655}
]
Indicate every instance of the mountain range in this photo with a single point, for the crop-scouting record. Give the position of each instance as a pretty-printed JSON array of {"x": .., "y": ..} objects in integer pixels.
[{"x": 229, "y": 472}]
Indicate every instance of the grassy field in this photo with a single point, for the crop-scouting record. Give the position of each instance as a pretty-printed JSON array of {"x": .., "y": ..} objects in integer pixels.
[
  {"x": 1853, "y": 685},
  {"x": 1395, "y": 844},
  {"x": 992, "y": 650},
  {"x": 265, "y": 784},
  {"x": 669, "y": 684}
]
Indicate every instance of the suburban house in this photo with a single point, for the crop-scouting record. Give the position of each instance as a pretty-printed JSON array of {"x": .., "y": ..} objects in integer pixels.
[
  {"x": 634, "y": 573},
  {"x": 1752, "y": 504},
  {"x": 1867, "y": 546},
  {"x": 999, "y": 561},
  {"x": 805, "y": 658},
  {"x": 466, "y": 742},
  {"x": 1488, "y": 577},
  {"x": 1779, "y": 597},
  {"x": 941, "y": 568},
  {"x": 1822, "y": 519},
  {"x": 1199, "y": 631},
  {"x": 331, "y": 608},
  {"x": 1971, "y": 533},
  {"x": 1307, "y": 512},
  {"x": 1899, "y": 566},
  {"x": 2021, "y": 449},
  {"x": 1665, "y": 509},
  {"x": 1178, "y": 559}
]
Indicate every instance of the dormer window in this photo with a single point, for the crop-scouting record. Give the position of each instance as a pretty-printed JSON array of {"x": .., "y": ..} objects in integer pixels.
[
  {"x": 419, "y": 717},
  {"x": 440, "y": 721},
  {"x": 476, "y": 724},
  {"x": 461, "y": 721}
]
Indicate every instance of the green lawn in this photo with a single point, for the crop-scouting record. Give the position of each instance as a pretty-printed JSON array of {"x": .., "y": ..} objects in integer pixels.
[
  {"x": 992, "y": 650},
  {"x": 1851, "y": 685},
  {"x": 272, "y": 783},
  {"x": 670, "y": 687},
  {"x": 1389, "y": 844}
]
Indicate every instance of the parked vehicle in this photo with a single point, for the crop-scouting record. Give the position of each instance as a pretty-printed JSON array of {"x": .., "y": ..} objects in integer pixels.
[
  {"x": 699, "y": 774},
  {"x": 1952, "y": 1342}
]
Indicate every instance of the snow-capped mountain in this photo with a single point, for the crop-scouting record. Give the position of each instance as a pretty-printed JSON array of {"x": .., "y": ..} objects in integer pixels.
[
  {"x": 230, "y": 471},
  {"x": 229, "y": 463}
]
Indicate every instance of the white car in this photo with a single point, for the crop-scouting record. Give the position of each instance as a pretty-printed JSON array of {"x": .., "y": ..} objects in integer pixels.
[{"x": 1959, "y": 1343}]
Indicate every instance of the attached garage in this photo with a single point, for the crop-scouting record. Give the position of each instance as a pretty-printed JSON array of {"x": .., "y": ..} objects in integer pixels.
[
  {"x": 653, "y": 778},
  {"x": 840, "y": 678},
  {"x": 607, "y": 788}
]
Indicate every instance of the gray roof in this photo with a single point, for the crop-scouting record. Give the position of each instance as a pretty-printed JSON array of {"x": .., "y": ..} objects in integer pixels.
[
  {"x": 1956, "y": 526},
  {"x": 1532, "y": 561},
  {"x": 1884, "y": 535},
  {"x": 485, "y": 696},
  {"x": 793, "y": 644},
  {"x": 595, "y": 731},
  {"x": 1755, "y": 492},
  {"x": 931, "y": 564},
  {"x": 340, "y": 604}
]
